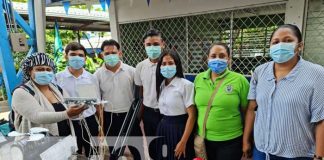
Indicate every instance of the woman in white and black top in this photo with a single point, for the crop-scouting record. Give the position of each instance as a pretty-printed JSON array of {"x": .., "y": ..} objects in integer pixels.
[
  {"x": 38, "y": 103},
  {"x": 175, "y": 100}
]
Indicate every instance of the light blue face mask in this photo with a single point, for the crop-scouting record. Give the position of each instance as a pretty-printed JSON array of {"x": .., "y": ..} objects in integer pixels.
[
  {"x": 76, "y": 62},
  {"x": 168, "y": 71},
  {"x": 44, "y": 77},
  {"x": 217, "y": 65},
  {"x": 153, "y": 52},
  {"x": 111, "y": 59},
  {"x": 282, "y": 52}
]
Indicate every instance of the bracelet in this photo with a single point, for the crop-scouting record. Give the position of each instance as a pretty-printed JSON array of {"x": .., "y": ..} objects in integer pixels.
[{"x": 318, "y": 157}]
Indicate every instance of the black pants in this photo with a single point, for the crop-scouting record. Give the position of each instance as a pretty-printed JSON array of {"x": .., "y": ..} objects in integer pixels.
[
  {"x": 114, "y": 122},
  {"x": 151, "y": 120},
  {"x": 220, "y": 150},
  {"x": 83, "y": 141}
]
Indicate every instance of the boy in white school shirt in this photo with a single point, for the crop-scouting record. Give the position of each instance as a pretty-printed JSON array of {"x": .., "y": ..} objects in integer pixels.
[
  {"x": 116, "y": 83},
  {"x": 71, "y": 80},
  {"x": 145, "y": 78}
]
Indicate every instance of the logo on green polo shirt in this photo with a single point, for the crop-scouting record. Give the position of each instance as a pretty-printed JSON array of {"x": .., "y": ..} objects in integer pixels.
[{"x": 229, "y": 89}]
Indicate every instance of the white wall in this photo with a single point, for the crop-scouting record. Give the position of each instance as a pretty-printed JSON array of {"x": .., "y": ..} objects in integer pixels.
[{"x": 139, "y": 11}]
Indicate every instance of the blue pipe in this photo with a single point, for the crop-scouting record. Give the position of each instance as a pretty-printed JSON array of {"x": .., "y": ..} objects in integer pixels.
[{"x": 31, "y": 28}]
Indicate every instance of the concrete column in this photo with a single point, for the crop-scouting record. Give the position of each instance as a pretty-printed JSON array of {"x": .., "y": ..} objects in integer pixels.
[
  {"x": 113, "y": 18},
  {"x": 295, "y": 13},
  {"x": 40, "y": 24}
]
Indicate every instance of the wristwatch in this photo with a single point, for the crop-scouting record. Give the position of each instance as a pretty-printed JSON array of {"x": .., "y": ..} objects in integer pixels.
[{"x": 318, "y": 157}]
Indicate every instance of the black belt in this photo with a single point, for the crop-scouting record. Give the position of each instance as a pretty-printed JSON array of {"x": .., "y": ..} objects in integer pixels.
[{"x": 152, "y": 109}]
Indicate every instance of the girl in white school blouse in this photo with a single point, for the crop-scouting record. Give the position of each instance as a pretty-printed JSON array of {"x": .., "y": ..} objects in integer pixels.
[{"x": 175, "y": 101}]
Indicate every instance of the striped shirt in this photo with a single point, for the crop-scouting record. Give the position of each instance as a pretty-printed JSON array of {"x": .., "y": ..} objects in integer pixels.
[{"x": 287, "y": 110}]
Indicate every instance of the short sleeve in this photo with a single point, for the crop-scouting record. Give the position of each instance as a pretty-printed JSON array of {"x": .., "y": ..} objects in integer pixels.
[
  {"x": 188, "y": 97},
  {"x": 137, "y": 77},
  {"x": 96, "y": 76},
  {"x": 253, "y": 85},
  {"x": 317, "y": 100},
  {"x": 96, "y": 83},
  {"x": 132, "y": 71},
  {"x": 244, "y": 92},
  {"x": 196, "y": 81}
]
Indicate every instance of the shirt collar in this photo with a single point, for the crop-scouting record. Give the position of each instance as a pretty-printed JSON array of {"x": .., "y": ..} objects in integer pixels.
[
  {"x": 121, "y": 67},
  {"x": 150, "y": 63},
  {"x": 291, "y": 75},
  {"x": 270, "y": 76},
  {"x": 208, "y": 72},
  {"x": 68, "y": 74},
  {"x": 175, "y": 81}
]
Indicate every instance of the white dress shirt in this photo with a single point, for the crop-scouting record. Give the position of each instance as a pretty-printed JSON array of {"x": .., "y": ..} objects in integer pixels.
[
  {"x": 117, "y": 88},
  {"x": 145, "y": 76},
  {"x": 71, "y": 84},
  {"x": 176, "y": 97}
]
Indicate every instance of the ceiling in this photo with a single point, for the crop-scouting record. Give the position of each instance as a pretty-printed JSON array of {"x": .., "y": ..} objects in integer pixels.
[{"x": 77, "y": 19}]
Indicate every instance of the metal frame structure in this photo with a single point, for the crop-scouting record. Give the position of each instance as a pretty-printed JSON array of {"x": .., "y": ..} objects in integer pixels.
[{"x": 10, "y": 77}]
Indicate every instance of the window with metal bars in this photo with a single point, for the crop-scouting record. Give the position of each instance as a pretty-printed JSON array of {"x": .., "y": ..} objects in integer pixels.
[{"x": 246, "y": 31}]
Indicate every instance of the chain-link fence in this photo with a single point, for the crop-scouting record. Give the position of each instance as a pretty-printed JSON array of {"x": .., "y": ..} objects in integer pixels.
[
  {"x": 246, "y": 31},
  {"x": 314, "y": 32}
]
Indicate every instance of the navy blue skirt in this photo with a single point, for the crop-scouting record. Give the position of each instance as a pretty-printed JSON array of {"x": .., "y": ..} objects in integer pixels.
[{"x": 170, "y": 130}]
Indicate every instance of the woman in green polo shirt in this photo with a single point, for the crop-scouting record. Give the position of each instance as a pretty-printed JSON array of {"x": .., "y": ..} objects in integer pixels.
[{"x": 224, "y": 127}]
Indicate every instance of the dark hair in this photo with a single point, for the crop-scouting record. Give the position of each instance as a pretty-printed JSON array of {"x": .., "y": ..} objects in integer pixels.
[
  {"x": 73, "y": 46},
  {"x": 159, "y": 76},
  {"x": 220, "y": 44},
  {"x": 293, "y": 28},
  {"x": 151, "y": 33},
  {"x": 110, "y": 42}
]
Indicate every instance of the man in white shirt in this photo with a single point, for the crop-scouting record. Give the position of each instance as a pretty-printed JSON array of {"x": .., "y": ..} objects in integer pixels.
[
  {"x": 116, "y": 83},
  {"x": 145, "y": 78},
  {"x": 73, "y": 79}
]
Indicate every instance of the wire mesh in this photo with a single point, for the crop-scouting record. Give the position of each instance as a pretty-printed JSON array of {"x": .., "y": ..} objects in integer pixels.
[
  {"x": 246, "y": 31},
  {"x": 314, "y": 32}
]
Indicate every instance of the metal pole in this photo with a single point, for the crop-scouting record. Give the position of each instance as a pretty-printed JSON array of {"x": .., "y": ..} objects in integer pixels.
[
  {"x": 6, "y": 59},
  {"x": 30, "y": 30},
  {"x": 187, "y": 46},
  {"x": 231, "y": 37},
  {"x": 31, "y": 17},
  {"x": 13, "y": 16},
  {"x": 265, "y": 41},
  {"x": 40, "y": 24},
  {"x": 114, "y": 25}
]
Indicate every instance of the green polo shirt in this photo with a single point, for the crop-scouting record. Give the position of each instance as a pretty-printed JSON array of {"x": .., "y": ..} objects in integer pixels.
[{"x": 224, "y": 121}]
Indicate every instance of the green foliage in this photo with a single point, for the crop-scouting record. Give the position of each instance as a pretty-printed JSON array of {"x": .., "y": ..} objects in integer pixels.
[{"x": 67, "y": 36}]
